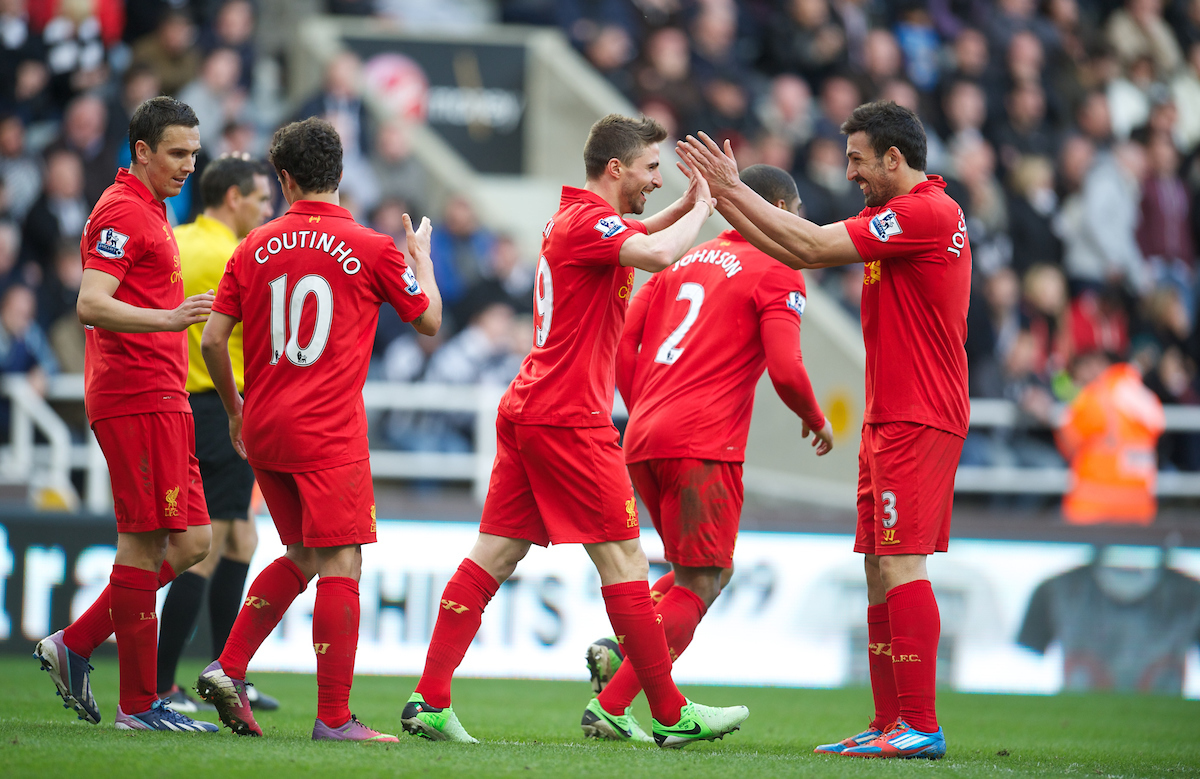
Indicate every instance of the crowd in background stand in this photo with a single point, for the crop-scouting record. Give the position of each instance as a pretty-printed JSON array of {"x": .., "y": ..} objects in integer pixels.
[{"x": 1068, "y": 130}]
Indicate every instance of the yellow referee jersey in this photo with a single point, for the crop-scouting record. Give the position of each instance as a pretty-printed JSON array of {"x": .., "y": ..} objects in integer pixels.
[{"x": 205, "y": 247}]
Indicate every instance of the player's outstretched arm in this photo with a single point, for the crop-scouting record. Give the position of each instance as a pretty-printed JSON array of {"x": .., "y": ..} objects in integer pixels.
[
  {"x": 631, "y": 341},
  {"x": 214, "y": 347},
  {"x": 429, "y": 321},
  {"x": 659, "y": 251},
  {"x": 785, "y": 366},
  {"x": 97, "y": 307},
  {"x": 807, "y": 245}
]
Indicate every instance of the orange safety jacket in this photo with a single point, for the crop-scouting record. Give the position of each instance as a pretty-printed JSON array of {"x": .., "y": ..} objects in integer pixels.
[{"x": 1108, "y": 434}]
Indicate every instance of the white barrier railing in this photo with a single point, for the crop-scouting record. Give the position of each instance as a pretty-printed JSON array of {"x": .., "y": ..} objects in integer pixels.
[
  {"x": 987, "y": 413},
  {"x": 47, "y": 467}
]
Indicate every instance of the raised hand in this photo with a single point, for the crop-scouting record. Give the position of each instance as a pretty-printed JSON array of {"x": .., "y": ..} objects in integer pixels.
[
  {"x": 418, "y": 240},
  {"x": 192, "y": 310},
  {"x": 718, "y": 168}
]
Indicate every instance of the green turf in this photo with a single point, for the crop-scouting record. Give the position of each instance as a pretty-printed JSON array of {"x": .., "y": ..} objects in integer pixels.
[{"x": 531, "y": 729}]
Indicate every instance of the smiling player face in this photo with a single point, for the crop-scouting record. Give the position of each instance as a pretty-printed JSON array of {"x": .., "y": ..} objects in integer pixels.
[
  {"x": 638, "y": 179},
  {"x": 168, "y": 166},
  {"x": 867, "y": 170}
]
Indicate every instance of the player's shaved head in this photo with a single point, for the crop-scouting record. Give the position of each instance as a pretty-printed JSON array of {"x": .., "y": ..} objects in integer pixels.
[
  {"x": 151, "y": 119},
  {"x": 311, "y": 152},
  {"x": 770, "y": 183},
  {"x": 886, "y": 125},
  {"x": 619, "y": 137}
]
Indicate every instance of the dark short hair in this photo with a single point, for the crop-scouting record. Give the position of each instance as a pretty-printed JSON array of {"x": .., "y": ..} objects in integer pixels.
[
  {"x": 886, "y": 125},
  {"x": 226, "y": 172},
  {"x": 151, "y": 119},
  {"x": 311, "y": 152},
  {"x": 770, "y": 183},
  {"x": 619, "y": 137}
]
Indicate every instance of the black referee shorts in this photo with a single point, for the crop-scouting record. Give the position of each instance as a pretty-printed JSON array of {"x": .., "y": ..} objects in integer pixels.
[{"x": 228, "y": 479}]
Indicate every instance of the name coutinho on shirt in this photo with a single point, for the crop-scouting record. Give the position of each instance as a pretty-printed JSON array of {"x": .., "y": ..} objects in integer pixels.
[{"x": 297, "y": 239}]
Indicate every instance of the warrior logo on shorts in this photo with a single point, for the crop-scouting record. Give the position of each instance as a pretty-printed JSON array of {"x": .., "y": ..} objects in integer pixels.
[
  {"x": 172, "y": 508},
  {"x": 631, "y": 510}
]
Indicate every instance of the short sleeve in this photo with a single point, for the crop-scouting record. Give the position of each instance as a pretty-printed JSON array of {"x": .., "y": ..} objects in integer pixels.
[
  {"x": 598, "y": 235},
  {"x": 780, "y": 294},
  {"x": 396, "y": 283},
  {"x": 111, "y": 241},
  {"x": 229, "y": 295},
  {"x": 907, "y": 228}
]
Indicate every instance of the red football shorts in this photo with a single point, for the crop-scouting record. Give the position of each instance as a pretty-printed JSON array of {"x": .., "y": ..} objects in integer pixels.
[
  {"x": 331, "y": 507},
  {"x": 154, "y": 471},
  {"x": 695, "y": 506},
  {"x": 905, "y": 488},
  {"x": 559, "y": 485}
]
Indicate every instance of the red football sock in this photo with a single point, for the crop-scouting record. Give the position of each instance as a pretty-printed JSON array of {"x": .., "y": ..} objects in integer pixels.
[
  {"x": 131, "y": 594},
  {"x": 95, "y": 625},
  {"x": 662, "y": 586},
  {"x": 631, "y": 613},
  {"x": 270, "y": 595},
  {"x": 916, "y": 628},
  {"x": 335, "y": 640},
  {"x": 681, "y": 611},
  {"x": 879, "y": 657},
  {"x": 466, "y": 596}
]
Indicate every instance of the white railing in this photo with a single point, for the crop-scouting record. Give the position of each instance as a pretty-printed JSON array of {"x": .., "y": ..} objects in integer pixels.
[
  {"x": 46, "y": 467},
  {"x": 1053, "y": 481}
]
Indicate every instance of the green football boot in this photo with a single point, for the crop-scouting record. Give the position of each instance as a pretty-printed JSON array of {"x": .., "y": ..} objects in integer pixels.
[
  {"x": 421, "y": 719},
  {"x": 698, "y": 722},
  {"x": 604, "y": 657},
  {"x": 598, "y": 723}
]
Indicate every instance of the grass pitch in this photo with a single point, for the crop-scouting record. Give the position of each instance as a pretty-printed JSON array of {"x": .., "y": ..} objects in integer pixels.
[{"x": 530, "y": 728}]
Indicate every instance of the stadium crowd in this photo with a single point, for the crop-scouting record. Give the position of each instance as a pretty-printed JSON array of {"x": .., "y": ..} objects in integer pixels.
[{"x": 1067, "y": 129}]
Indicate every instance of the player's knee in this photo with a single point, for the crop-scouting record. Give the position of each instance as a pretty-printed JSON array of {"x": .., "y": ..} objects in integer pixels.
[{"x": 706, "y": 583}]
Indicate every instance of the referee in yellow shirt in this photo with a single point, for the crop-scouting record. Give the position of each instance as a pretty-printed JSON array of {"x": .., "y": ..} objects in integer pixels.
[{"x": 236, "y": 193}]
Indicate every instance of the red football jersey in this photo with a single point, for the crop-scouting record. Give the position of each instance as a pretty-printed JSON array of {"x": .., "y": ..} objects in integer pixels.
[
  {"x": 916, "y": 287},
  {"x": 128, "y": 236},
  {"x": 701, "y": 355},
  {"x": 307, "y": 288},
  {"x": 581, "y": 291}
]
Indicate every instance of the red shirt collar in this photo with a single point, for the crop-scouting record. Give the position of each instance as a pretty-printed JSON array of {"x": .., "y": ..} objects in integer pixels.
[
  {"x": 140, "y": 189},
  {"x": 931, "y": 182},
  {"x": 576, "y": 195},
  {"x": 318, "y": 208}
]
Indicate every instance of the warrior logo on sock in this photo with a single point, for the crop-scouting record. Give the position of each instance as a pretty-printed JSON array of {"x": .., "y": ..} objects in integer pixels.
[
  {"x": 457, "y": 608},
  {"x": 172, "y": 508},
  {"x": 320, "y": 648},
  {"x": 256, "y": 602},
  {"x": 631, "y": 510},
  {"x": 880, "y": 649}
]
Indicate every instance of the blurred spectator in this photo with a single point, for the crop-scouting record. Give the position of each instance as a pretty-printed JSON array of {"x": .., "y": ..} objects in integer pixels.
[
  {"x": 59, "y": 214},
  {"x": 10, "y": 249},
  {"x": 216, "y": 95},
  {"x": 993, "y": 323},
  {"x": 396, "y": 172},
  {"x": 901, "y": 92},
  {"x": 461, "y": 250},
  {"x": 610, "y": 51},
  {"x": 340, "y": 103},
  {"x": 233, "y": 29},
  {"x": 971, "y": 61},
  {"x": 1098, "y": 228},
  {"x": 837, "y": 99},
  {"x": 1108, "y": 433},
  {"x": 786, "y": 109},
  {"x": 827, "y": 194},
  {"x": 514, "y": 276},
  {"x": 1025, "y": 63},
  {"x": 170, "y": 51},
  {"x": 56, "y": 308},
  {"x": 882, "y": 60},
  {"x": 1094, "y": 118},
  {"x": 714, "y": 33},
  {"x": 24, "y": 348},
  {"x": 1139, "y": 30},
  {"x": 964, "y": 107},
  {"x": 76, "y": 35},
  {"x": 23, "y": 73},
  {"x": 1131, "y": 95},
  {"x": 726, "y": 112},
  {"x": 1099, "y": 322},
  {"x": 665, "y": 73},
  {"x": 1066, "y": 62},
  {"x": 974, "y": 187},
  {"x": 138, "y": 84},
  {"x": 83, "y": 131},
  {"x": 919, "y": 42},
  {"x": 1164, "y": 233},
  {"x": 805, "y": 38},
  {"x": 1074, "y": 161},
  {"x": 1032, "y": 202},
  {"x": 1044, "y": 307},
  {"x": 19, "y": 169},
  {"x": 1025, "y": 130},
  {"x": 1011, "y": 17}
]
